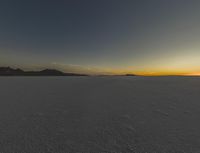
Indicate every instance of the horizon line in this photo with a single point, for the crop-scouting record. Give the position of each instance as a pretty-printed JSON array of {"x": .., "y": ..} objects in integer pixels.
[{"x": 163, "y": 73}]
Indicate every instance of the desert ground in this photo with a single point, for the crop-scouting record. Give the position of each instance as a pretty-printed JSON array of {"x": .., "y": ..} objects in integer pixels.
[{"x": 100, "y": 114}]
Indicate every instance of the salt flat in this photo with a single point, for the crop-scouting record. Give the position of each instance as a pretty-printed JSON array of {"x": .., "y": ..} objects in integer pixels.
[{"x": 99, "y": 115}]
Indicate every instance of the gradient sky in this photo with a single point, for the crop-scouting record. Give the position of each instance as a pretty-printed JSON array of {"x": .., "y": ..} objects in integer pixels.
[{"x": 101, "y": 36}]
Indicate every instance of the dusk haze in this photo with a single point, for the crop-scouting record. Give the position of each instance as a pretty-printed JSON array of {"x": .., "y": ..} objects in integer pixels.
[
  {"x": 153, "y": 37},
  {"x": 99, "y": 76}
]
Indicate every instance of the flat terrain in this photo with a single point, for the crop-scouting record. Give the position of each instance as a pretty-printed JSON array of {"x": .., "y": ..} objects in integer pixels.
[{"x": 99, "y": 115}]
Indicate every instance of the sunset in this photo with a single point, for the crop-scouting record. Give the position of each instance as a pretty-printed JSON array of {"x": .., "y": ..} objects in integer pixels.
[
  {"x": 99, "y": 76},
  {"x": 148, "y": 36}
]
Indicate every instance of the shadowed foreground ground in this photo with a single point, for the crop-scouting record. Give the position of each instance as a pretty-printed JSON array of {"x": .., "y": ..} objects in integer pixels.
[{"x": 99, "y": 115}]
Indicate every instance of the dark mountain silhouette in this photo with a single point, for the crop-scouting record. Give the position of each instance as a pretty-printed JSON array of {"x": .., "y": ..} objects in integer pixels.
[
  {"x": 7, "y": 71},
  {"x": 130, "y": 75}
]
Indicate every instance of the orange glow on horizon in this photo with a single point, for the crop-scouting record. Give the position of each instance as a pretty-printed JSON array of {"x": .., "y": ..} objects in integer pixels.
[
  {"x": 194, "y": 74},
  {"x": 157, "y": 73}
]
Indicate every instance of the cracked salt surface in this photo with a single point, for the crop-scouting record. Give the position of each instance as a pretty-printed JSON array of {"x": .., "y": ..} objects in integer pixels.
[{"x": 99, "y": 114}]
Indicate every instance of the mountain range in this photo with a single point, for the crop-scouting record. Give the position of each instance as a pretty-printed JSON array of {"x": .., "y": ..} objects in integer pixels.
[{"x": 7, "y": 71}]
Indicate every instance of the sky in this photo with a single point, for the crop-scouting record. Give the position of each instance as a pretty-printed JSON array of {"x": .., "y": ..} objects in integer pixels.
[{"x": 149, "y": 37}]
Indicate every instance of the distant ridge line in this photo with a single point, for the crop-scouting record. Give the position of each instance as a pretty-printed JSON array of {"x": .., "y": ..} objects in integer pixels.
[{"x": 8, "y": 71}]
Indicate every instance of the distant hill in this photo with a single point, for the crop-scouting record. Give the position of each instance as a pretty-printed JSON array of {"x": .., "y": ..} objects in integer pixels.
[
  {"x": 130, "y": 75},
  {"x": 7, "y": 71}
]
